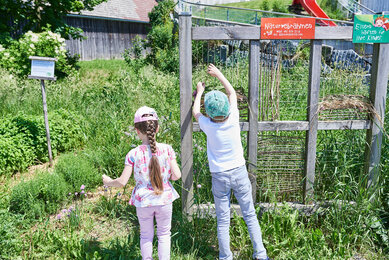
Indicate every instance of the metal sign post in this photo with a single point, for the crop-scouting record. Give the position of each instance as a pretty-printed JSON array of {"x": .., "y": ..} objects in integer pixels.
[{"x": 43, "y": 68}]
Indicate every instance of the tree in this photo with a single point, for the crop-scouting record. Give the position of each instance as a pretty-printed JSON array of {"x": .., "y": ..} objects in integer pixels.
[{"x": 20, "y": 16}]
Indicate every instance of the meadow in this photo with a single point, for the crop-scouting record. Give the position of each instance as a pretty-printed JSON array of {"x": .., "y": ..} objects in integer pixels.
[{"x": 45, "y": 212}]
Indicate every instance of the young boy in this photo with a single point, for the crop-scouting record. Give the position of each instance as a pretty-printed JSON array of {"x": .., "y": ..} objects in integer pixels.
[{"x": 226, "y": 163}]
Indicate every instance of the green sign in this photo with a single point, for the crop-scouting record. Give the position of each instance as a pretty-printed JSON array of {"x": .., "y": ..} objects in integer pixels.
[{"x": 371, "y": 28}]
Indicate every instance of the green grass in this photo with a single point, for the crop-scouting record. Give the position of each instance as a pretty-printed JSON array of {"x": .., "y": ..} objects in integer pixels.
[
  {"x": 246, "y": 16},
  {"x": 107, "y": 93}
]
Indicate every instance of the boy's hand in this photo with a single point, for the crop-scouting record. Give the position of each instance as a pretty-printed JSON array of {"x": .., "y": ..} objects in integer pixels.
[
  {"x": 200, "y": 87},
  {"x": 213, "y": 71}
]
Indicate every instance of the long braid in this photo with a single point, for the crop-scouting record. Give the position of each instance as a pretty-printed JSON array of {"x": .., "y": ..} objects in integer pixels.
[{"x": 154, "y": 167}]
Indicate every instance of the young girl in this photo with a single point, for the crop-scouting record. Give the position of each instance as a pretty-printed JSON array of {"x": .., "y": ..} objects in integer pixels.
[{"x": 153, "y": 164}]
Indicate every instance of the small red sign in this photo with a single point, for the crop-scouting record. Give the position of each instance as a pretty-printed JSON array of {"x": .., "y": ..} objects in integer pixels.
[{"x": 287, "y": 28}]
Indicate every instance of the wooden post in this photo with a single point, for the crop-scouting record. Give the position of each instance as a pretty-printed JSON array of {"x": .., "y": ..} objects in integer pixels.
[
  {"x": 378, "y": 91},
  {"x": 312, "y": 117},
  {"x": 185, "y": 48},
  {"x": 46, "y": 122},
  {"x": 252, "y": 137}
]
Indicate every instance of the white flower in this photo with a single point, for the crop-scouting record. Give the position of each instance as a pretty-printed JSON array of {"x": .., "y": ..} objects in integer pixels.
[
  {"x": 32, "y": 46},
  {"x": 1, "y": 48},
  {"x": 6, "y": 54},
  {"x": 34, "y": 38}
]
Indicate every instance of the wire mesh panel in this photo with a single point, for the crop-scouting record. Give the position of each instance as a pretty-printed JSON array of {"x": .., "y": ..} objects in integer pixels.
[
  {"x": 283, "y": 80},
  {"x": 280, "y": 165},
  {"x": 345, "y": 80}
]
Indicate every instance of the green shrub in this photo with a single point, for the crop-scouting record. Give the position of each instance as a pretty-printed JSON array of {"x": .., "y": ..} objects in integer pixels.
[
  {"x": 167, "y": 60},
  {"x": 15, "y": 57},
  {"x": 23, "y": 138},
  {"x": 10, "y": 242},
  {"x": 39, "y": 196},
  {"x": 133, "y": 56},
  {"x": 16, "y": 151},
  {"x": 265, "y": 5},
  {"x": 280, "y": 6},
  {"x": 77, "y": 170},
  {"x": 160, "y": 14}
]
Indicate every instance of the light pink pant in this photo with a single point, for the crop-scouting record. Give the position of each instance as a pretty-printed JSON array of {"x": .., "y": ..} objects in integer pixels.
[{"x": 163, "y": 216}]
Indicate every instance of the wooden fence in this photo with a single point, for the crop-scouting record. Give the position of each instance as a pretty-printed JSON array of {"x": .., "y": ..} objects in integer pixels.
[{"x": 311, "y": 125}]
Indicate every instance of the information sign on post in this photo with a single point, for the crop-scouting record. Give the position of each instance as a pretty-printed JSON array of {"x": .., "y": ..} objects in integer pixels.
[
  {"x": 371, "y": 28},
  {"x": 287, "y": 28},
  {"x": 43, "y": 68}
]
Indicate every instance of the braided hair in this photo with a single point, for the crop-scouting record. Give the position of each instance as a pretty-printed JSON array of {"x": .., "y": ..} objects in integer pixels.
[{"x": 149, "y": 128}]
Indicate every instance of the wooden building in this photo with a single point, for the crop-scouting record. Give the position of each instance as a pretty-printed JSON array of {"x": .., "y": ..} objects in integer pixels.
[{"x": 110, "y": 28}]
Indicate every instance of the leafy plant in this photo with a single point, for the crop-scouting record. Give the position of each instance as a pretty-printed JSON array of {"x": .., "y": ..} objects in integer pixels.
[
  {"x": 39, "y": 196},
  {"x": 25, "y": 15},
  {"x": 15, "y": 57},
  {"x": 23, "y": 138},
  {"x": 77, "y": 170}
]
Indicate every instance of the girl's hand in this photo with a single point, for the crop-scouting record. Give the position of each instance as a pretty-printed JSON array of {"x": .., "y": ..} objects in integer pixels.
[
  {"x": 213, "y": 71},
  {"x": 106, "y": 180}
]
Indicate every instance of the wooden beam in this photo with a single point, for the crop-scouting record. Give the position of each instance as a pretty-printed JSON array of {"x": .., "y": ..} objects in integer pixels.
[
  {"x": 334, "y": 33},
  {"x": 312, "y": 117},
  {"x": 225, "y": 33},
  {"x": 252, "y": 137},
  {"x": 344, "y": 125},
  {"x": 303, "y": 125},
  {"x": 185, "y": 49},
  {"x": 378, "y": 92},
  {"x": 254, "y": 32}
]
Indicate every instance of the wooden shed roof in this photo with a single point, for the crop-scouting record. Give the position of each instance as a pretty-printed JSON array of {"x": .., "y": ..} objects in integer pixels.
[{"x": 134, "y": 10}]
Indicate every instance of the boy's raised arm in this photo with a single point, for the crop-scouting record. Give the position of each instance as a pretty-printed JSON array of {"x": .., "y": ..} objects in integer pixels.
[
  {"x": 215, "y": 72},
  {"x": 196, "y": 105}
]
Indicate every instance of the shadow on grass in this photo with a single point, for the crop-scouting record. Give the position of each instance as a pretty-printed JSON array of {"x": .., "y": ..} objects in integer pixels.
[{"x": 190, "y": 239}]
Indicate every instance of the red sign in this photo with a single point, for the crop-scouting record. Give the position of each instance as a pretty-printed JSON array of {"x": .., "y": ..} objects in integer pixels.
[{"x": 287, "y": 28}]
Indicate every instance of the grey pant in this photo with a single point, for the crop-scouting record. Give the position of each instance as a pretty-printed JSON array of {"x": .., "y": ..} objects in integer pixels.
[{"x": 222, "y": 183}]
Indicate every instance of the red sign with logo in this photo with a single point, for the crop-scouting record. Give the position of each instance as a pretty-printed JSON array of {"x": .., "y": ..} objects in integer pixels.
[{"x": 287, "y": 28}]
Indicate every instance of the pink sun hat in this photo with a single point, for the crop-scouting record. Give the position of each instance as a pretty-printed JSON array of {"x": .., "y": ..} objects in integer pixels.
[{"x": 139, "y": 114}]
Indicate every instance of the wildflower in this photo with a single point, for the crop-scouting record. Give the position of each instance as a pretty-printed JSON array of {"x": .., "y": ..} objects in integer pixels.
[
  {"x": 85, "y": 194},
  {"x": 64, "y": 211},
  {"x": 82, "y": 192},
  {"x": 59, "y": 216},
  {"x": 76, "y": 193},
  {"x": 82, "y": 187},
  {"x": 70, "y": 193},
  {"x": 119, "y": 194},
  {"x": 198, "y": 186}
]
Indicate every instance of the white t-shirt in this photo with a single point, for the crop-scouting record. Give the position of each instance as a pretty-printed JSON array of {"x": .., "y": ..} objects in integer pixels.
[{"x": 224, "y": 146}]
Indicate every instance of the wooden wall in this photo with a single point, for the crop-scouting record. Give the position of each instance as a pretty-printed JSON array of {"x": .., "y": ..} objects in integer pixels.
[{"x": 106, "y": 39}]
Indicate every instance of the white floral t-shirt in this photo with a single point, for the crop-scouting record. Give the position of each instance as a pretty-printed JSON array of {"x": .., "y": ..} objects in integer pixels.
[{"x": 143, "y": 193}]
